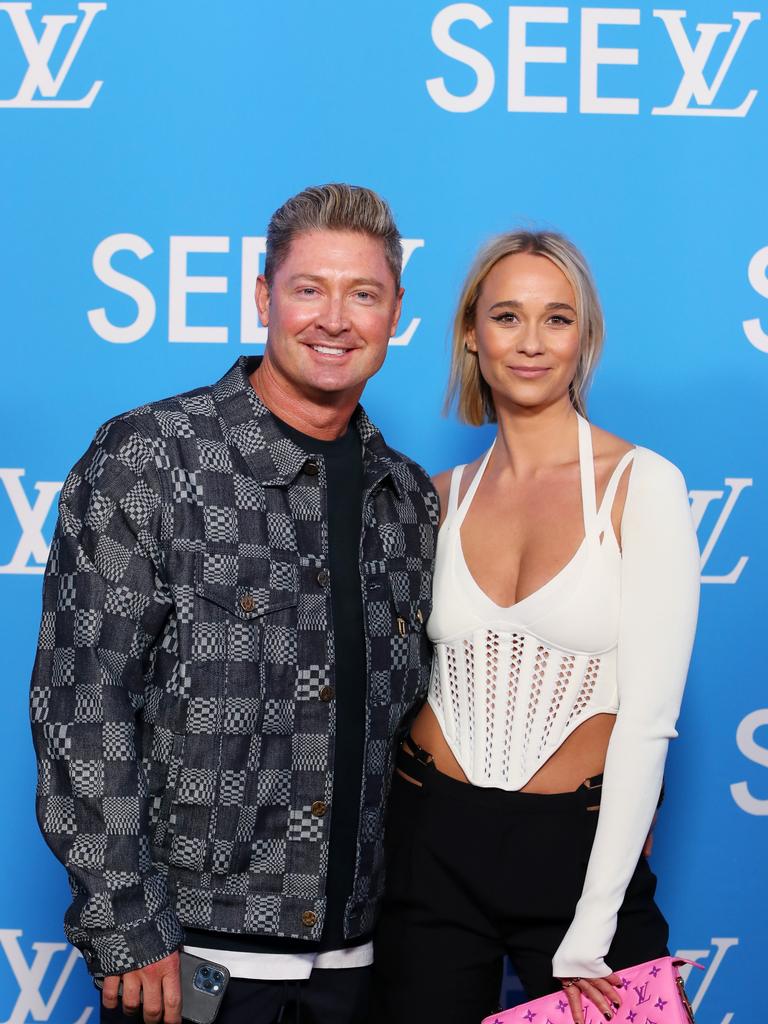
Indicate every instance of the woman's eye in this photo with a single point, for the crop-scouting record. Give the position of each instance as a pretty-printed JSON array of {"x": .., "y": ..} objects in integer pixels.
[
  {"x": 505, "y": 318},
  {"x": 561, "y": 321}
]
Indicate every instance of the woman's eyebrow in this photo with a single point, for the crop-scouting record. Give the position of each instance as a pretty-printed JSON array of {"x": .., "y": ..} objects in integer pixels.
[{"x": 515, "y": 303}]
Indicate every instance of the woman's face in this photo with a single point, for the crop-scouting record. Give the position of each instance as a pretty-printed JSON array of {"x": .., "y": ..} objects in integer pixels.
[{"x": 525, "y": 333}]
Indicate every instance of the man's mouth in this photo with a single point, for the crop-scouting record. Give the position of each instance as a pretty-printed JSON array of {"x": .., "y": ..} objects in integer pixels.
[{"x": 326, "y": 350}]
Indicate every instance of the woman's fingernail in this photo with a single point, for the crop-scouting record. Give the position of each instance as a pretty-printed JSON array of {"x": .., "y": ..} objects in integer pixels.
[
  {"x": 607, "y": 1016},
  {"x": 617, "y": 1005}
]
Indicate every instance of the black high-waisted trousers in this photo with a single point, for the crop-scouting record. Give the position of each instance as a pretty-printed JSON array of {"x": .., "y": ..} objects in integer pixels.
[{"x": 475, "y": 873}]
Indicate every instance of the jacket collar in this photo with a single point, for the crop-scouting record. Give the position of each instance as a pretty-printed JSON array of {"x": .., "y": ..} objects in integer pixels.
[{"x": 276, "y": 460}]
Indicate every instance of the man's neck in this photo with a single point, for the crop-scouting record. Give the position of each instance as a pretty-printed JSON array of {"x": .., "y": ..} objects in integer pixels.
[{"x": 325, "y": 417}]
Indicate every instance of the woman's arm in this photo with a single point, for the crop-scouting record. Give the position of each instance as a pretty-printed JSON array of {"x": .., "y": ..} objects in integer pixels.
[{"x": 659, "y": 604}]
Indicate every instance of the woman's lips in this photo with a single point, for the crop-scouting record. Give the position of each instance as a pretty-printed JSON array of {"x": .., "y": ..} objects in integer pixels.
[{"x": 529, "y": 372}]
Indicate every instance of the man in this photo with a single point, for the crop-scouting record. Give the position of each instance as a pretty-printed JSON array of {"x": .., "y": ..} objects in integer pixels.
[{"x": 232, "y": 637}]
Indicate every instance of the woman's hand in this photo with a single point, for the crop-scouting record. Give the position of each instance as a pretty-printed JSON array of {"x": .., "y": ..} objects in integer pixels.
[{"x": 603, "y": 992}]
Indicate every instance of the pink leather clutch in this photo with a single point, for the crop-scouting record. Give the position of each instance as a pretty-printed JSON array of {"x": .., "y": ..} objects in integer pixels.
[{"x": 651, "y": 993}]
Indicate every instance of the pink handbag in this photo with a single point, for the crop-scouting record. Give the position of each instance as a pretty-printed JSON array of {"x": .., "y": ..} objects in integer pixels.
[{"x": 652, "y": 993}]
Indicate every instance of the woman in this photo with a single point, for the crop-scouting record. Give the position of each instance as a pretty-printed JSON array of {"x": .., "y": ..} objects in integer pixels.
[{"x": 564, "y": 610}]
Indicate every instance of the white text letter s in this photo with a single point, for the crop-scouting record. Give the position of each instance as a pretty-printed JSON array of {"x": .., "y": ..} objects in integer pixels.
[
  {"x": 141, "y": 295},
  {"x": 758, "y": 278},
  {"x": 751, "y": 749},
  {"x": 482, "y": 67}
]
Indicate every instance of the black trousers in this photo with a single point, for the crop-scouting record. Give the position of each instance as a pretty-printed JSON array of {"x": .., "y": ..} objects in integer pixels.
[
  {"x": 328, "y": 996},
  {"x": 475, "y": 873}
]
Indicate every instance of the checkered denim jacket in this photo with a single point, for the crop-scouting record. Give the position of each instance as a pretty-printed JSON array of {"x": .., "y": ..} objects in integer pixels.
[{"x": 181, "y": 693}]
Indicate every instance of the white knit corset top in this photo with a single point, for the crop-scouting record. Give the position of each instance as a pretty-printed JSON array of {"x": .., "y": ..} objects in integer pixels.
[
  {"x": 510, "y": 683},
  {"x": 611, "y": 632}
]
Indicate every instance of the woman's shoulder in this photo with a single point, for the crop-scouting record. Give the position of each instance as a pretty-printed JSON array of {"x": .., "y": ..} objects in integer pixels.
[
  {"x": 610, "y": 449},
  {"x": 442, "y": 482}
]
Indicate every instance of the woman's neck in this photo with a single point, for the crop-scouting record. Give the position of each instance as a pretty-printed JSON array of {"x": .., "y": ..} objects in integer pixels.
[{"x": 529, "y": 440}]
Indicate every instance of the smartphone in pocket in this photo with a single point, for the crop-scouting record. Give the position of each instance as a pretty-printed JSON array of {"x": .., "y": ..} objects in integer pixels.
[{"x": 203, "y": 984}]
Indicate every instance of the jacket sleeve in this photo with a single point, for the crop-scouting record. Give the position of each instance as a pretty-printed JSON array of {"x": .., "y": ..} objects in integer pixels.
[
  {"x": 104, "y": 607},
  {"x": 659, "y": 605}
]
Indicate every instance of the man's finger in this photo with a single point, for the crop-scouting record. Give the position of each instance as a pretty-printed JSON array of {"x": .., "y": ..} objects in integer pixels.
[
  {"x": 109, "y": 991},
  {"x": 172, "y": 997},
  {"x": 131, "y": 993},
  {"x": 152, "y": 999}
]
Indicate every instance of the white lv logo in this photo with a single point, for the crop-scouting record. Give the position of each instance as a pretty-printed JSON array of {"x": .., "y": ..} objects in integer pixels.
[
  {"x": 32, "y": 544},
  {"x": 700, "y": 501},
  {"x": 693, "y": 85},
  {"x": 38, "y": 52},
  {"x": 30, "y": 977}
]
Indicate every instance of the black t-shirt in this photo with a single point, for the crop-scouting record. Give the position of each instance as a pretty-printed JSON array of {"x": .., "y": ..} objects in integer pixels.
[{"x": 343, "y": 461}]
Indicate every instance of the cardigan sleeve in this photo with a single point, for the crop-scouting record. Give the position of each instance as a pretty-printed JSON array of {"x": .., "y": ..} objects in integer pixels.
[{"x": 659, "y": 604}]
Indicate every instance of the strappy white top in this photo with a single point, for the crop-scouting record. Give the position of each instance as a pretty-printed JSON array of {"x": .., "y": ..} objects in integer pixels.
[{"x": 611, "y": 632}]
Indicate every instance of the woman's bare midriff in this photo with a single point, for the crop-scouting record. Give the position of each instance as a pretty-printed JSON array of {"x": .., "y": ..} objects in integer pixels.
[{"x": 579, "y": 757}]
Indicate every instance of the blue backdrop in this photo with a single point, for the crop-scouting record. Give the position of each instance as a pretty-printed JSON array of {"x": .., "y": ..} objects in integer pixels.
[{"x": 143, "y": 146}]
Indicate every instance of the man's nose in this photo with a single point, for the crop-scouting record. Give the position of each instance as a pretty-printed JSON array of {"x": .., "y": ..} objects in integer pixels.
[{"x": 333, "y": 317}]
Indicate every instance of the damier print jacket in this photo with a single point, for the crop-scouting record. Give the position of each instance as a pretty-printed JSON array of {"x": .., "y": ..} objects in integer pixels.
[{"x": 182, "y": 698}]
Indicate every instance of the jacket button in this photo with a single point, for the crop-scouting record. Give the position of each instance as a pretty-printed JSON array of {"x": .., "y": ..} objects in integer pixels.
[
  {"x": 247, "y": 603},
  {"x": 326, "y": 694},
  {"x": 322, "y": 577},
  {"x": 319, "y": 807},
  {"x": 309, "y": 919},
  {"x": 311, "y": 468}
]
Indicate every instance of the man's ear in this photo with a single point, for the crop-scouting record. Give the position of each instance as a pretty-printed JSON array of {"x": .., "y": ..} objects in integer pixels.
[
  {"x": 398, "y": 310},
  {"x": 262, "y": 299}
]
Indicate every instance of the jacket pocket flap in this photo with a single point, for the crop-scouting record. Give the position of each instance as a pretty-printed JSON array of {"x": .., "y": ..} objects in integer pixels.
[{"x": 246, "y": 586}]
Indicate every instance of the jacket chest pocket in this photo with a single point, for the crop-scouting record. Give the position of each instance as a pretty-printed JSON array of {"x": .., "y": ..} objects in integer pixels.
[
  {"x": 241, "y": 599},
  {"x": 246, "y": 586}
]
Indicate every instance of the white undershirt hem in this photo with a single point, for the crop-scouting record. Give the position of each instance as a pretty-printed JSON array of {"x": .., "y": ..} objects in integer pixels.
[{"x": 284, "y": 966}]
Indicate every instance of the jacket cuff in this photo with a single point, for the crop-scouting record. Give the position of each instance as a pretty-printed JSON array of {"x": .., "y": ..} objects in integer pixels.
[{"x": 146, "y": 942}]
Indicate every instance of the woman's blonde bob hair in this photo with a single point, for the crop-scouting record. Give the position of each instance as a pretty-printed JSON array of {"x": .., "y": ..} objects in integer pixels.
[{"x": 466, "y": 386}]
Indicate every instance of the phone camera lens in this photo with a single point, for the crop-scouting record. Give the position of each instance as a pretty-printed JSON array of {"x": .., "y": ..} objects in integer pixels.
[
  {"x": 204, "y": 971},
  {"x": 218, "y": 976},
  {"x": 208, "y": 984}
]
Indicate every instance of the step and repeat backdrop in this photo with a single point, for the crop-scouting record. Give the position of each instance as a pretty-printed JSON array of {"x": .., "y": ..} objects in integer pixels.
[{"x": 143, "y": 146}]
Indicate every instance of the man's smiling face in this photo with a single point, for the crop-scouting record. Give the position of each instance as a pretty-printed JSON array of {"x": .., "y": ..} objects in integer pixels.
[{"x": 330, "y": 311}]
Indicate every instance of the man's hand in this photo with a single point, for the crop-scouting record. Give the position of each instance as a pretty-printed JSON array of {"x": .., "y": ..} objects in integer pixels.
[{"x": 154, "y": 991}]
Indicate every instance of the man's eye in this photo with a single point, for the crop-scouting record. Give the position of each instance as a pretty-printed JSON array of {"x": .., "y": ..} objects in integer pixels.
[
  {"x": 308, "y": 290},
  {"x": 364, "y": 295}
]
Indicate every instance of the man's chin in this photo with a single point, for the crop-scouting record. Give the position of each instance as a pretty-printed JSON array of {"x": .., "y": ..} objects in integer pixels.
[{"x": 335, "y": 384}]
